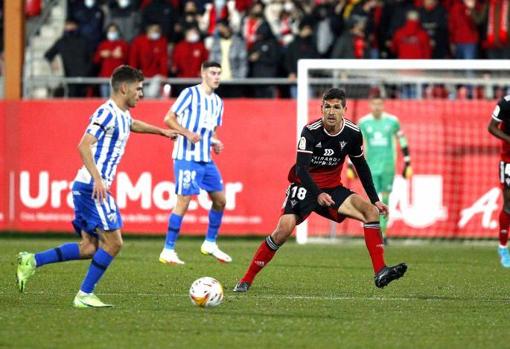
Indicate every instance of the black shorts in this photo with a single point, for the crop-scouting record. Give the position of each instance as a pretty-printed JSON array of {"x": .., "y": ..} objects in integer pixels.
[
  {"x": 299, "y": 202},
  {"x": 504, "y": 174}
]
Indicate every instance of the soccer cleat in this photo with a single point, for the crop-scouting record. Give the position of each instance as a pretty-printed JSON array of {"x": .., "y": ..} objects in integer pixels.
[
  {"x": 242, "y": 286},
  {"x": 26, "y": 268},
  {"x": 88, "y": 300},
  {"x": 170, "y": 257},
  {"x": 388, "y": 274},
  {"x": 504, "y": 256},
  {"x": 211, "y": 248}
]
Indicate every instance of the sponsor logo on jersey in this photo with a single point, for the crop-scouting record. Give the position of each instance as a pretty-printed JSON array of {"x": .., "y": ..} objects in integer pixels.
[
  {"x": 293, "y": 203},
  {"x": 319, "y": 145},
  {"x": 328, "y": 152}
]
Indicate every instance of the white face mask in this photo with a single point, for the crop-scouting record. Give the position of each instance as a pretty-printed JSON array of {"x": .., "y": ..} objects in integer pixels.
[
  {"x": 89, "y": 3},
  {"x": 112, "y": 36},
  {"x": 154, "y": 35},
  {"x": 123, "y": 3},
  {"x": 288, "y": 6},
  {"x": 193, "y": 37}
]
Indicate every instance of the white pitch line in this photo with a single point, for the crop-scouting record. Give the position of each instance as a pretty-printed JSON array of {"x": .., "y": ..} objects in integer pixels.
[{"x": 433, "y": 298}]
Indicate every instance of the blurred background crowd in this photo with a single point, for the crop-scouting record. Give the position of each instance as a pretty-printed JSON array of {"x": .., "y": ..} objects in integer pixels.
[{"x": 265, "y": 38}]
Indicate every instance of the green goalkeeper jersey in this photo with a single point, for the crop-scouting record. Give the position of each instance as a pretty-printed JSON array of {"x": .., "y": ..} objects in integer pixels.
[{"x": 380, "y": 148}]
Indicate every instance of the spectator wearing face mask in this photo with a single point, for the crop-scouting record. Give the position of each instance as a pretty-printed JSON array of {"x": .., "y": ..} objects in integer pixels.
[
  {"x": 251, "y": 23},
  {"x": 110, "y": 53},
  {"x": 162, "y": 13},
  {"x": 90, "y": 18},
  {"x": 149, "y": 52},
  {"x": 72, "y": 48},
  {"x": 264, "y": 57},
  {"x": 189, "y": 54},
  {"x": 124, "y": 14},
  {"x": 303, "y": 46},
  {"x": 189, "y": 18},
  {"x": 229, "y": 50}
]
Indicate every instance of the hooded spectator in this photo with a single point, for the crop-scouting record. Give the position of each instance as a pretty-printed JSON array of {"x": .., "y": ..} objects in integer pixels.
[
  {"x": 149, "y": 52},
  {"x": 189, "y": 54},
  {"x": 111, "y": 52},
  {"x": 411, "y": 41}
]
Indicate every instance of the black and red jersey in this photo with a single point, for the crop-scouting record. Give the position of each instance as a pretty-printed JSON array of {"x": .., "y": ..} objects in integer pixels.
[
  {"x": 328, "y": 152},
  {"x": 501, "y": 114}
]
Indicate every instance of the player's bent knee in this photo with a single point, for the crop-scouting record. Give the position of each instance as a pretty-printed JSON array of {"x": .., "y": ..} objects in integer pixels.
[
  {"x": 280, "y": 236},
  {"x": 87, "y": 249},
  {"x": 371, "y": 214}
]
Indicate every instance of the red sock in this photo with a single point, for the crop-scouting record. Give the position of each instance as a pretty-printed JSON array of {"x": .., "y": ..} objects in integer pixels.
[
  {"x": 261, "y": 258},
  {"x": 375, "y": 246},
  {"x": 504, "y": 222}
]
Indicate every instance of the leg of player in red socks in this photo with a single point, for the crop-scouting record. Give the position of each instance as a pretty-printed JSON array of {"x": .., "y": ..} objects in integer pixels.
[
  {"x": 262, "y": 257},
  {"x": 504, "y": 223},
  {"x": 375, "y": 245},
  {"x": 267, "y": 250}
]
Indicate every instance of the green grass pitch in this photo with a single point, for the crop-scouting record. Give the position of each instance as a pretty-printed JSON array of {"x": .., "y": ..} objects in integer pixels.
[{"x": 454, "y": 295}]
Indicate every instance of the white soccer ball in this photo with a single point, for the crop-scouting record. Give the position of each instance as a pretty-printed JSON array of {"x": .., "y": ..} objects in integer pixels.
[{"x": 206, "y": 292}]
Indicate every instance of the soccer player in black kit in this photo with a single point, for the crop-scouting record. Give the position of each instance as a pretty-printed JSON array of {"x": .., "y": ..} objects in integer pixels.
[{"x": 315, "y": 186}]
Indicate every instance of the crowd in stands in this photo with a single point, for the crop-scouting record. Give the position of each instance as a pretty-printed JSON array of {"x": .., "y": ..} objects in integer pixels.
[{"x": 265, "y": 38}]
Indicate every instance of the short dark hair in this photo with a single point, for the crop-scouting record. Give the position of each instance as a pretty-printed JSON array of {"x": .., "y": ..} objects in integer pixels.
[
  {"x": 335, "y": 93},
  {"x": 210, "y": 64},
  {"x": 125, "y": 73}
]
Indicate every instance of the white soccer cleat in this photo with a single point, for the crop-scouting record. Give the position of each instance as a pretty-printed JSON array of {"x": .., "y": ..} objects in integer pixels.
[
  {"x": 211, "y": 248},
  {"x": 170, "y": 257}
]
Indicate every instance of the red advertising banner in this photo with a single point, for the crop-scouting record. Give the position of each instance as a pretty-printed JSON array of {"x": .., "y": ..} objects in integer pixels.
[{"x": 454, "y": 192}]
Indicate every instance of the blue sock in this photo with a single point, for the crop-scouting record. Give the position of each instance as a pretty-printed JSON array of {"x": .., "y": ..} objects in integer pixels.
[
  {"x": 214, "y": 225},
  {"x": 174, "y": 226},
  {"x": 65, "y": 252},
  {"x": 100, "y": 262}
]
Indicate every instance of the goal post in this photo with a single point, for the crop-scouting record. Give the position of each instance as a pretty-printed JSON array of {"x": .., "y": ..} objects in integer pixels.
[{"x": 418, "y": 77}]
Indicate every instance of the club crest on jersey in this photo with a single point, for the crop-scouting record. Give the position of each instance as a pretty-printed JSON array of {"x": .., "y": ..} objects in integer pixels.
[
  {"x": 342, "y": 145},
  {"x": 302, "y": 143},
  {"x": 328, "y": 152},
  {"x": 112, "y": 217}
]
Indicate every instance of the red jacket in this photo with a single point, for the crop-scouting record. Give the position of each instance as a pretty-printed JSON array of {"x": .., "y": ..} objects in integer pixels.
[
  {"x": 461, "y": 26},
  {"x": 411, "y": 42},
  {"x": 187, "y": 59},
  {"x": 150, "y": 56},
  {"x": 113, "y": 48}
]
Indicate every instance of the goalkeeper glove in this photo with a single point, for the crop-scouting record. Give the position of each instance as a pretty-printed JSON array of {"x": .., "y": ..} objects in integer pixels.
[
  {"x": 350, "y": 172},
  {"x": 408, "y": 171}
]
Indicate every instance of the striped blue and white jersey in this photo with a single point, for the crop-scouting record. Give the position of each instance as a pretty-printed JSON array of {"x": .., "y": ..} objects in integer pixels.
[
  {"x": 200, "y": 113},
  {"x": 111, "y": 126}
]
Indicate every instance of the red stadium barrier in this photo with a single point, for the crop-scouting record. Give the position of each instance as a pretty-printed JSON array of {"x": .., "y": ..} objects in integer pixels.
[{"x": 454, "y": 192}]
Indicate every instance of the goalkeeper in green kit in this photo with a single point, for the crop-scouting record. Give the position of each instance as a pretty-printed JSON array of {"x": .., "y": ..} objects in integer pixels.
[{"x": 380, "y": 132}]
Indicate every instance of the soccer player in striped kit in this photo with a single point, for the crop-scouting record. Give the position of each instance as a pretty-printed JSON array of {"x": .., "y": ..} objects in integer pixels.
[
  {"x": 499, "y": 127},
  {"x": 97, "y": 217},
  {"x": 315, "y": 186},
  {"x": 196, "y": 114}
]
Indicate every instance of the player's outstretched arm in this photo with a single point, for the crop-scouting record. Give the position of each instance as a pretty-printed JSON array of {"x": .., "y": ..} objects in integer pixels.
[
  {"x": 408, "y": 170},
  {"x": 143, "y": 127},
  {"x": 365, "y": 177},
  {"x": 172, "y": 123},
  {"x": 497, "y": 132},
  {"x": 84, "y": 148}
]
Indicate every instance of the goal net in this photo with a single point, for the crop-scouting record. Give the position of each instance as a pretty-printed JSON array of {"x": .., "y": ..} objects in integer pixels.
[{"x": 444, "y": 108}]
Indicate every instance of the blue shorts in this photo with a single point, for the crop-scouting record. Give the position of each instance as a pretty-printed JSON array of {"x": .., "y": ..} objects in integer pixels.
[
  {"x": 192, "y": 176},
  {"x": 90, "y": 215}
]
